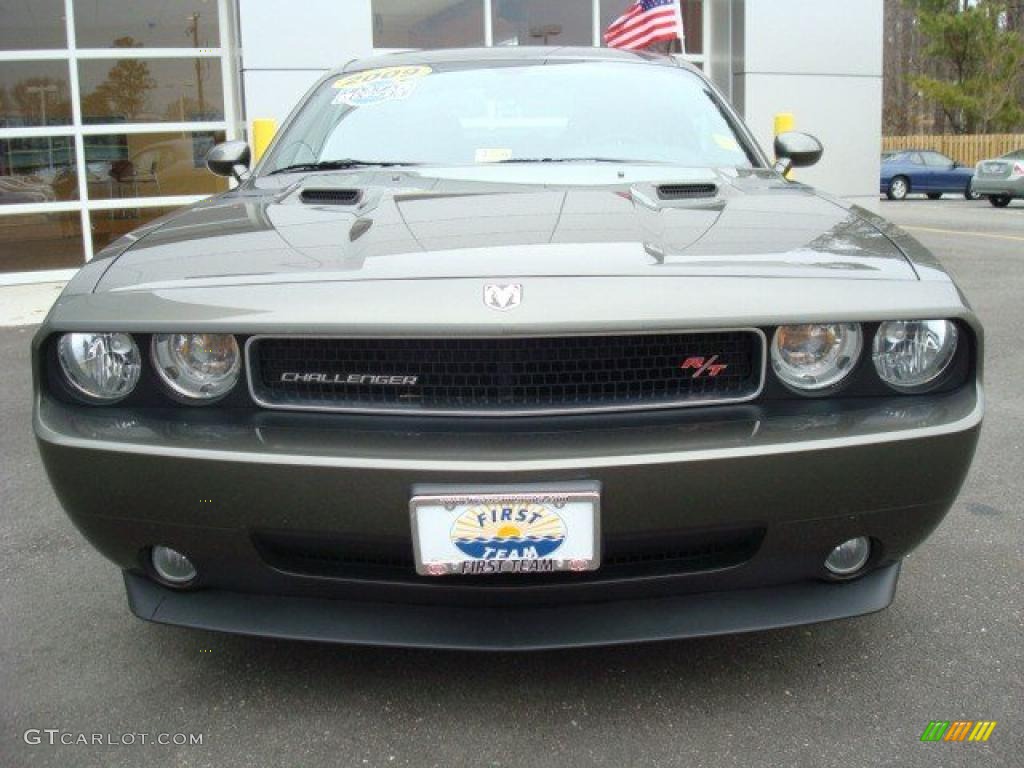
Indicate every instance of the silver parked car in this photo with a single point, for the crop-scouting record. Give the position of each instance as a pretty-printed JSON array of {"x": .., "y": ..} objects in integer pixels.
[
  {"x": 512, "y": 348},
  {"x": 1000, "y": 179}
]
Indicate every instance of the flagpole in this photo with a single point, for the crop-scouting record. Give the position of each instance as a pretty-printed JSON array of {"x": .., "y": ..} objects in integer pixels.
[{"x": 679, "y": 21}]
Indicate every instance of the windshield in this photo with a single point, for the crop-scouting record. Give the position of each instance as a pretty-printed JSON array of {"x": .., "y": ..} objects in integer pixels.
[{"x": 510, "y": 111}]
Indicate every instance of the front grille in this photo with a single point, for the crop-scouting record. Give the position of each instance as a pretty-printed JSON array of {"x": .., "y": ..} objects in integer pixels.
[
  {"x": 623, "y": 557},
  {"x": 502, "y": 376}
]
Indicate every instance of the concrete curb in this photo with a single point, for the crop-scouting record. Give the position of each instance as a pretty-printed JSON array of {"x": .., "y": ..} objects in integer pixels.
[{"x": 27, "y": 304}]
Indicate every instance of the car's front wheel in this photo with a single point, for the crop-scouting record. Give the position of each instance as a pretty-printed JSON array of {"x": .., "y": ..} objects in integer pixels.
[
  {"x": 969, "y": 192},
  {"x": 999, "y": 201},
  {"x": 898, "y": 188}
]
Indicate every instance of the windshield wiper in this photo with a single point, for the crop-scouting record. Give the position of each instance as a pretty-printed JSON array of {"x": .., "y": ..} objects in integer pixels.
[
  {"x": 573, "y": 160},
  {"x": 336, "y": 165}
]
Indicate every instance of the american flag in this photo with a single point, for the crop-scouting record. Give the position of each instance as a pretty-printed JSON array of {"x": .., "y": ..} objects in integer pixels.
[{"x": 645, "y": 22}]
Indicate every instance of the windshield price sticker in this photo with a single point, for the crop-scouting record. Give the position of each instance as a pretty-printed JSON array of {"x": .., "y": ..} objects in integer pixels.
[
  {"x": 492, "y": 155},
  {"x": 375, "y": 86}
]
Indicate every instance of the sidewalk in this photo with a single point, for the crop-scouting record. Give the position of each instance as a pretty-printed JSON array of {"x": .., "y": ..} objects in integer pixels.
[{"x": 27, "y": 304}]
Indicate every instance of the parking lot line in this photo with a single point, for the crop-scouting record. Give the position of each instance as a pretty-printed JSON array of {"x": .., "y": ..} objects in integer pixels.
[{"x": 963, "y": 232}]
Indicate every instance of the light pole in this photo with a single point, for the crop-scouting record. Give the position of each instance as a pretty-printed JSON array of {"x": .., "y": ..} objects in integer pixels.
[
  {"x": 181, "y": 86},
  {"x": 193, "y": 30},
  {"x": 44, "y": 91},
  {"x": 181, "y": 98}
]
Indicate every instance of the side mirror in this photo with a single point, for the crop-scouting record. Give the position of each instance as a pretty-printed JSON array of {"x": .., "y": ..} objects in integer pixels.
[
  {"x": 229, "y": 158},
  {"x": 956, "y": 164},
  {"x": 799, "y": 149}
]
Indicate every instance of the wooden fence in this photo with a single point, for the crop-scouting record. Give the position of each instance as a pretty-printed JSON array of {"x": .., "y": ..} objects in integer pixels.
[{"x": 967, "y": 149}]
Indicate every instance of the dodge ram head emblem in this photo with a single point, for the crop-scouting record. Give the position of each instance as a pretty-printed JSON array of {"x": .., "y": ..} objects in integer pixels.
[{"x": 503, "y": 297}]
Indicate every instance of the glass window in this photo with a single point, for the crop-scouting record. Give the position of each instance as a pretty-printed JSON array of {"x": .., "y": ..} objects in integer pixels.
[
  {"x": 151, "y": 165},
  {"x": 121, "y": 92},
  {"x": 148, "y": 23},
  {"x": 541, "y": 22},
  {"x": 108, "y": 226},
  {"x": 935, "y": 160},
  {"x": 41, "y": 241},
  {"x": 515, "y": 112},
  {"x": 37, "y": 170},
  {"x": 34, "y": 93},
  {"x": 28, "y": 24},
  {"x": 151, "y": 90},
  {"x": 428, "y": 23},
  {"x": 693, "y": 21}
]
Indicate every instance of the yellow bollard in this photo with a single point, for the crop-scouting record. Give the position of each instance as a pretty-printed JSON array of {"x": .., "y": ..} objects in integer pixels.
[
  {"x": 784, "y": 121},
  {"x": 263, "y": 130}
]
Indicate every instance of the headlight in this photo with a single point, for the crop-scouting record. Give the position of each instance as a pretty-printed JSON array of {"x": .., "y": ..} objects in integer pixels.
[
  {"x": 912, "y": 353},
  {"x": 817, "y": 356},
  {"x": 102, "y": 366},
  {"x": 197, "y": 366}
]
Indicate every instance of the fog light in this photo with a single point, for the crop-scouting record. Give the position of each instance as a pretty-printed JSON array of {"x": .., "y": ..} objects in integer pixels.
[
  {"x": 172, "y": 566},
  {"x": 849, "y": 557}
]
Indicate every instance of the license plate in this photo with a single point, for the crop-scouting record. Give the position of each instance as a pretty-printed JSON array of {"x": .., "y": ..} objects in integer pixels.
[{"x": 524, "y": 529}]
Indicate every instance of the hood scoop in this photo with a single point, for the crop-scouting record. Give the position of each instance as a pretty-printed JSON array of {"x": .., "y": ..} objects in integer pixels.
[
  {"x": 686, "y": 191},
  {"x": 331, "y": 196}
]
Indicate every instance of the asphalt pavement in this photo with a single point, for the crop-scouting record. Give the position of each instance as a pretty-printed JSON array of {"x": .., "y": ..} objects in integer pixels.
[{"x": 851, "y": 693}]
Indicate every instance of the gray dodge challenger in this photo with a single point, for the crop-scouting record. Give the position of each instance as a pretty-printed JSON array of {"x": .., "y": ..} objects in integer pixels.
[{"x": 510, "y": 349}]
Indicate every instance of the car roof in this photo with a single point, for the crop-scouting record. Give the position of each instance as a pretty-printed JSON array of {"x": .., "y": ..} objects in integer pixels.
[{"x": 486, "y": 56}]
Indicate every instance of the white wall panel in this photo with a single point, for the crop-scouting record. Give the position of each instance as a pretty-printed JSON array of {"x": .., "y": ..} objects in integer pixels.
[
  {"x": 304, "y": 34},
  {"x": 270, "y": 93},
  {"x": 814, "y": 37},
  {"x": 843, "y": 112},
  {"x": 822, "y": 61}
]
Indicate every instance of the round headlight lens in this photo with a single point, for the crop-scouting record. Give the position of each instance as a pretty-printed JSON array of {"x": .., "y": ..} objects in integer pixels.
[
  {"x": 102, "y": 366},
  {"x": 198, "y": 366},
  {"x": 912, "y": 353},
  {"x": 816, "y": 356}
]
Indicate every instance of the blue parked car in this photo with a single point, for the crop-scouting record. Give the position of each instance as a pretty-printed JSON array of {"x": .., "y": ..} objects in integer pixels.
[{"x": 922, "y": 170}]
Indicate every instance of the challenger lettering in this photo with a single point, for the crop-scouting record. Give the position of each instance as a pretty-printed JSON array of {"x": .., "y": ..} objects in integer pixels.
[{"x": 349, "y": 378}]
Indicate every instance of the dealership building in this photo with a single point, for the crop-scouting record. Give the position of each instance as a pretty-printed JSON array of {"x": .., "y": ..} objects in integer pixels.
[{"x": 107, "y": 107}]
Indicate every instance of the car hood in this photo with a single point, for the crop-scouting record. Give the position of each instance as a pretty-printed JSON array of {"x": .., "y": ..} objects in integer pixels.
[{"x": 419, "y": 225}]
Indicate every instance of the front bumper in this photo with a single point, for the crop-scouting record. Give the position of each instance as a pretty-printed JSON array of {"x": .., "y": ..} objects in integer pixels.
[
  {"x": 521, "y": 628},
  {"x": 802, "y": 478}
]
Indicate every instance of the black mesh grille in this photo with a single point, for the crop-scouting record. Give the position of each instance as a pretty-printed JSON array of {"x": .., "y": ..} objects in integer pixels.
[
  {"x": 686, "y": 191},
  {"x": 331, "y": 196},
  {"x": 570, "y": 373},
  {"x": 623, "y": 557}
]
